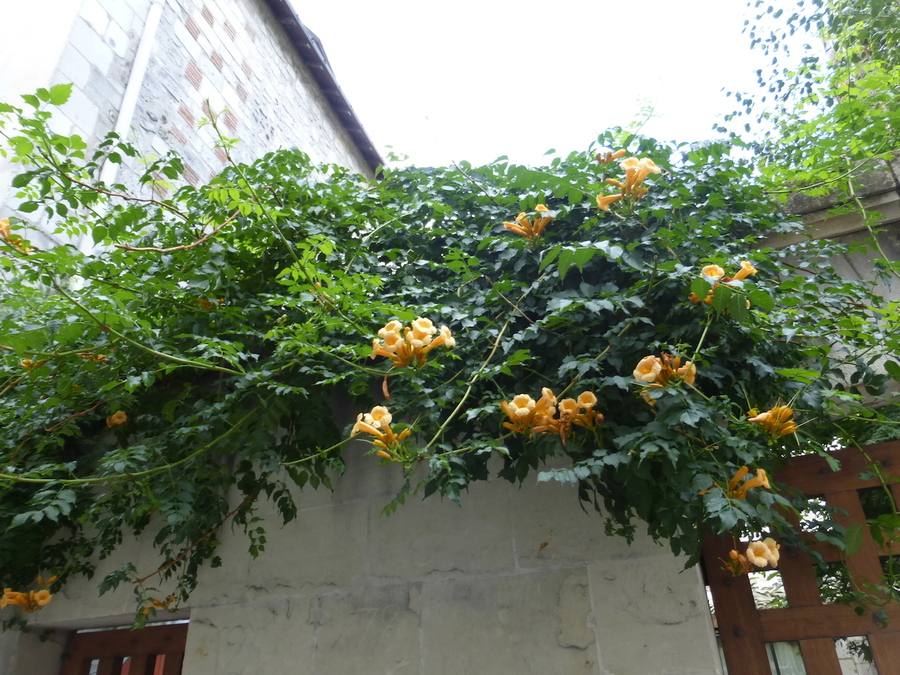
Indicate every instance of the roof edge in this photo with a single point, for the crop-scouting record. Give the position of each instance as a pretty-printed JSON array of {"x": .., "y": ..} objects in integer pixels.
[{"x": 311, "y": 51}]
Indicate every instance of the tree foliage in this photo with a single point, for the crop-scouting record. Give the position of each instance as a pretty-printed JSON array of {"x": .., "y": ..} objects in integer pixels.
[
  {"x": 223, "y": 321},
  {"x": 829, "y": 104}
]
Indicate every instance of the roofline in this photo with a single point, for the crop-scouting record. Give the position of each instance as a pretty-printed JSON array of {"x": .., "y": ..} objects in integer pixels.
[{"x": 310, "y": 50}]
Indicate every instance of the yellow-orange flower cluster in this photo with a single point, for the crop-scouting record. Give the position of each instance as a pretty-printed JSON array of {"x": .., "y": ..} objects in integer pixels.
[
  {"x": 30, "y": 601},
  {"x": 549, "y": 416},
  {"x": 609, "y": 156},
  {"x": 636, "y": 170},
  {"x": 738, "y": 490},
  {"x": 775, "y": 421},
  {"x": 759, "y": 553},
  {"x": 377, "y": 423},
  {"x": 528, "y": 228},
  {"x": 6, "y": 235},
  {"x": 655, "y": 372},
  {"x": 717, "y": 274},
  {"x": 410, "y": 346},
  {"x": 158, "y": 604},
  {"x": 117, "y": 419}
]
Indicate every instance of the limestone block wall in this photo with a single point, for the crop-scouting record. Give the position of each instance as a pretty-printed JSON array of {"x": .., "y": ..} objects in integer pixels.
[
  {"x": 515, "y": 581},
  {"x": 879, "y": 194},
  {"x": 232, "y": 53}
]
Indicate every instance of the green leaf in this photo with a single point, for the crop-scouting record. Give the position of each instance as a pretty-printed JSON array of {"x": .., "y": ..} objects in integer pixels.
[
  {"x": 633, "y": 259},
  {"x": 762, "y": 299},
  {"x": 853, "y": 539},
  {"x": 23, "y": 147},
  {"x": 566, "y": 261},
  {"x": 24, "y": 517},
  {"x": 721, "y": 297},
  {"x": 700, "y": 288},
  {"x": 729, "y": 518},
  {"x": 549, "y": 257},
  {"x": 99, "y": 233},
  {"x": 737, "y": 307},
  {"x": 804, "y": 375},
  {"x": 893, "y": 369},
  {"x": 22, "y": 180},
  {"x": 59, "y": 94},
  {"x": 701, "y": 482}
]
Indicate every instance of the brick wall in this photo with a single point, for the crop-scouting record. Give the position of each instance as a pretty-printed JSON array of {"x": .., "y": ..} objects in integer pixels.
[{"x": 232, "y": 53}]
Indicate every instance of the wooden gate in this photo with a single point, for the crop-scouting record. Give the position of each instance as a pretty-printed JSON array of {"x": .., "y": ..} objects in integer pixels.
[
  {"x": 744, "y": 630},
  {"x": 157, "y": 650}
]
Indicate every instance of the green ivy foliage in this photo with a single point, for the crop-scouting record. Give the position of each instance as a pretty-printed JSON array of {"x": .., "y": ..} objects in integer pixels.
[{"x": 225, "y": 321}]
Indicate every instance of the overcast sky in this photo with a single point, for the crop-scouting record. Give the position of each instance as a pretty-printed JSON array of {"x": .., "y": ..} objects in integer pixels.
[{"x": 475, "y": 79}]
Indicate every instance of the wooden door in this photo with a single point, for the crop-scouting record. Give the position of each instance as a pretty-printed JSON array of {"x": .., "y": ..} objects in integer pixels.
[{"x": 156, "y": 650}]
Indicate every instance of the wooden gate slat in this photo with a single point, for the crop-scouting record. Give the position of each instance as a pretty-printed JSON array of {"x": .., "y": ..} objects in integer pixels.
[
  {"x": 886, "y": 650},
  {"x": 820, "y": 657},
  {"x": 74, "y": 660},
  {"x": 142, "y": 664},
  {"x": 895, "y": 490},
  {"x": 739, "y": 626},
  {"x": 831, "y": 620},
  {"x": 76, "y": 668},
  {"x": 798, "y": 577},
  {"x": 864, "y": 565},
  {"x": 811, "y": 474},
  {"x": 150, "y": 640},
  {"x": 173, "y": 663},
  {"x": 108, "y": 666}
]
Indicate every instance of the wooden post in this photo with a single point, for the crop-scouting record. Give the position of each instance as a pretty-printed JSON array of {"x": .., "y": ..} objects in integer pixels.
[{"x": 739, "y": 627}]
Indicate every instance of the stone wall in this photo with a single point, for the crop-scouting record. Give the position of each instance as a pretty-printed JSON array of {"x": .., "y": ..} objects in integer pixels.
[
  {"x": 232, "y": 53},
  {"x": 826, "y": 216},
  {"x": 514, "y": 581},
  {"x": 879, "y": 193}
]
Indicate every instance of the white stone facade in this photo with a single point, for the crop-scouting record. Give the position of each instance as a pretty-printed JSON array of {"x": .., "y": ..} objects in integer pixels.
[
  {"x": 515, "y": 581},
  {"x": 232, "y": 53}
]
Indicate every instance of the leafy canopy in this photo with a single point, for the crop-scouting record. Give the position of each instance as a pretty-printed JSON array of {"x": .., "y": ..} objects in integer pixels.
[{"x": 184, "y": 368}]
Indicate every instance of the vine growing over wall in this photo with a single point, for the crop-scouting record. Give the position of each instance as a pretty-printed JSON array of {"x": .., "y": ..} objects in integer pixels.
[{"x": 633, "y": 322}]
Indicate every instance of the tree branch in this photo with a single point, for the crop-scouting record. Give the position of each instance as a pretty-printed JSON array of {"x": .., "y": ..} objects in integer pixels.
[
  {"x": 183, "y": 247},
  {"x": 181, "y": 556},
  {"x": 119, "y": 195},
  {"x": 72, "y": 417}
]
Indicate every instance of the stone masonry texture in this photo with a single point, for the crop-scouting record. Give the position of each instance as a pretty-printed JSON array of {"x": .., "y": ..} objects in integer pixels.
[
  {"x": 514, "y": 581},
  {"x": 228, "y": 57}
]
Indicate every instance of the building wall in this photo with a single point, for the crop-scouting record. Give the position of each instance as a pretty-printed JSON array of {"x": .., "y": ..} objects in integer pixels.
[
  {"x": 514, "y": 581},
  {"x": 29, "y": 54},
  {"x": 232, "y": 53},
  {"x": 879, "y": 194}
]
